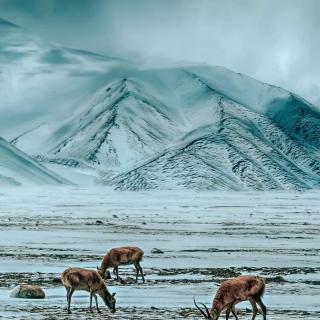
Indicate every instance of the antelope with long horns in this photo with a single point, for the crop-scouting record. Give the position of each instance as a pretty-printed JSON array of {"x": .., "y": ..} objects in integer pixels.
[{"x": 233, "y": 291}]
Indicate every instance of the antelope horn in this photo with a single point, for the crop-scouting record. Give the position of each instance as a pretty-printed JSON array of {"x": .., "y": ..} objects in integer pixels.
[
  {"x": 202, "y": 312},
  {"x": 208, "y": 313}
]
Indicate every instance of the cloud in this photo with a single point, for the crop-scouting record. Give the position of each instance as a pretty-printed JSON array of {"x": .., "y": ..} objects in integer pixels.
[{"x": 273, "y": 41}]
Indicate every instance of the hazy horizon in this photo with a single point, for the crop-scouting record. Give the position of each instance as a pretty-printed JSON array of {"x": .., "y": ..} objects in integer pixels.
[{"x": 273, "y": 42}]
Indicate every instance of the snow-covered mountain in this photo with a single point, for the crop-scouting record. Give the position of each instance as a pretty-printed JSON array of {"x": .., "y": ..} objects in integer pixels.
[
  {"x": 176, "y": 127},
  {"x": 16, "y": 168},
  {"x": 199, "y": 127}
]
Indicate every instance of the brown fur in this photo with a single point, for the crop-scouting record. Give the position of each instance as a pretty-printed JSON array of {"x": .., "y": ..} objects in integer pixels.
[
  {"x": 89, "y": 280},
  {"x": 122, "y": 256},
  {"x": 233, "y": 291}
]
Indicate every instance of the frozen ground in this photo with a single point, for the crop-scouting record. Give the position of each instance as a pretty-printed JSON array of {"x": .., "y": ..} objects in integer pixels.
[{"x": 205, "y": 237}]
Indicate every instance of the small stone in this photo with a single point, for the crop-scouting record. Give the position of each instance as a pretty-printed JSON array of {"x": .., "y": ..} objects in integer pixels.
[
  {"x": 99, "y": 222},
  {"x": 26, "y": 291},
  {"x": 156, "y": 250}
]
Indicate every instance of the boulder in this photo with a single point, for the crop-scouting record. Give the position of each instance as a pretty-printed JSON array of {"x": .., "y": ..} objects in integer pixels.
[{"x": 27, "y": 291}]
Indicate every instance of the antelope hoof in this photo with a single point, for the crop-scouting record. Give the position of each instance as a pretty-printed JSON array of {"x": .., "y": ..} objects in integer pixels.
[
  {"x": 121, "y": 280},
  {"x": 98, "y": 311},
  {"x": 69, "y": 312}
]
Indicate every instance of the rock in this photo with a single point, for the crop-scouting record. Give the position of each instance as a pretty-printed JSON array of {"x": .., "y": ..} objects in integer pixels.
[
  {"x": 99, "y": 222},
  {"x": 158, "y": 251},
  {"x": 27, "y": 291}
]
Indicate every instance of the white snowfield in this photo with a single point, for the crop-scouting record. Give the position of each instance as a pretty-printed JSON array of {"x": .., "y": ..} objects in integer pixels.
[{"x": 164, "y": 127}]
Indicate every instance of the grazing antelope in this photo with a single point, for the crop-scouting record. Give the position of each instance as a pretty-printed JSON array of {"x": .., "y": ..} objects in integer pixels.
[
  {"x": 233, "y": 291},
  {"x": 122, "y": 256},
  {"x": 88, "y": 280}
]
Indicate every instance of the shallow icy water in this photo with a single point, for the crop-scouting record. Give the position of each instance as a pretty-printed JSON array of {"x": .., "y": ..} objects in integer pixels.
[{"x": 206, "y": 237}]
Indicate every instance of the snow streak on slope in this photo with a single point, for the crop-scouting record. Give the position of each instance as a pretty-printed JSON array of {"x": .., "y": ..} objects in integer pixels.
[{"x": 17, "y": 168}]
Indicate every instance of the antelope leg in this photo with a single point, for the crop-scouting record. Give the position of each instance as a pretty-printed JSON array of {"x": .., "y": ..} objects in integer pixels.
[
  {"x": 91, "y": 294},
  {"x": 96, "y": 299},
  {"x": 141, "y": 272},
  {"x": 254, "y": 308}
]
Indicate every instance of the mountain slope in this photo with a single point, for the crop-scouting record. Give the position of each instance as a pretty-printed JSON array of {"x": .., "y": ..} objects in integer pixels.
[
  {"x": 16, "y": 168},
  {"x": 245, "y": 151},
  {"x": 114, "y": 129}
]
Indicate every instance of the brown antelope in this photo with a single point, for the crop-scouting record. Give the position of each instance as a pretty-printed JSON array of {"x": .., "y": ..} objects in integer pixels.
[
  {"x": 233, "y": 291},
  {"x": 122, "y": 256},
  {"x": 88, "y": 280}
]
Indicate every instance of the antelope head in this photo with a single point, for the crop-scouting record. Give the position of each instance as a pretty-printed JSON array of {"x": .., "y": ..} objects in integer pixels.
[{"x": 110, "y": 302}]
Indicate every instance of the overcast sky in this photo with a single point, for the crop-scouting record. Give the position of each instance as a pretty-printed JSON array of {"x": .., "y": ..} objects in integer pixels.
[{"x": 276, "y": 41}]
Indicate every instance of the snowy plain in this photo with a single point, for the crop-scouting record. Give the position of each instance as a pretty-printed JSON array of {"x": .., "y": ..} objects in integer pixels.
[{"x": 206, "y": 237}]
